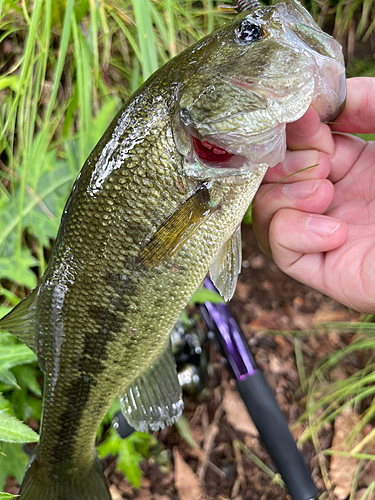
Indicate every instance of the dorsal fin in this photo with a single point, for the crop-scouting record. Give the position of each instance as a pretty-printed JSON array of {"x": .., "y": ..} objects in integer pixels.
[
  {"x": 154, "y": 399},
  {"x": 227, "y": 266},
  {"x": 20, "y": 321}
]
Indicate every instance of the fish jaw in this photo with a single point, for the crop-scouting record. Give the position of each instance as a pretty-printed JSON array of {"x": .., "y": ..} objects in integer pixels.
[{"x": 242, "y": 107}]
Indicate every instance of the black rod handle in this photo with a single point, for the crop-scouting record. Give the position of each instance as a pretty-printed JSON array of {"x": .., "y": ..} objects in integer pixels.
[{"x": 273, "y": 430}]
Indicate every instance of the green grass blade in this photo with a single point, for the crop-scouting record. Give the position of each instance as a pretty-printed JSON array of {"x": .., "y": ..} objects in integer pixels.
[
  {"x": 84, "y": 89},
  {"x": 143, "y": 18},
  {"x": 28, "y": 53}
]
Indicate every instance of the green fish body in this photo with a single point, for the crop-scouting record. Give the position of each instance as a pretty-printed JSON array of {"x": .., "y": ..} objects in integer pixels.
[{"x": 157, "y": 205}]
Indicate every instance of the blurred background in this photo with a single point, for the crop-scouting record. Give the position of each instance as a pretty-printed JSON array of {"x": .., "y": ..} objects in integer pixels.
[{"x": 66, "y": 67}]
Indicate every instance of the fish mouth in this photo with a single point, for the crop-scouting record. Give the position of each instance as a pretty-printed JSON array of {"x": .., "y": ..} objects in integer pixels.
[
  {"x": 213, "y": 156},
  {"x": 239, "y": 141},
  {"x": 234, "y": 154}
]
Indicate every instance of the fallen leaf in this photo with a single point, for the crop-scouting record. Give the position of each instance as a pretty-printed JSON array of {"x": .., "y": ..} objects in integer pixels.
[
  {"x": 144, "y": 494},
  {"x": 186, "y": 481},
  {"x": 343, "y": 469},
  {"x": 368, "y": 473},
  {"x": 302, "y": 321},
  {"x": 272, "y": 320},
  {"x": 361, "y": 494},
  {"x": 237, "y": 414},
  {"x": 242, "y": 291},
  {"x": 115, "y": 494},
  {"x": 331, "y": 311}
]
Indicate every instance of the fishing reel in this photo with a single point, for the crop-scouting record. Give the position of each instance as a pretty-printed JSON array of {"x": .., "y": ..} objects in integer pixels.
[{"x": 187, "y": 340}]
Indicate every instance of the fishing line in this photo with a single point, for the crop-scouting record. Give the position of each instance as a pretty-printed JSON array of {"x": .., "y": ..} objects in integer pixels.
[{"x": 282, "y": 180}]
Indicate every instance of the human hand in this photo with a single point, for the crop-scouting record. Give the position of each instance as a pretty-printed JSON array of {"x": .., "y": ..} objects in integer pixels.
[{"x": 319, "y": 224}]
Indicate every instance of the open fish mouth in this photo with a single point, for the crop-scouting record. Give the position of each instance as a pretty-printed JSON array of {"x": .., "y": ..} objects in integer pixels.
[
  {"x": 234, "y": 154},
  {"x": 211, "y": 155},
  {"x": 234, "y": 142}
]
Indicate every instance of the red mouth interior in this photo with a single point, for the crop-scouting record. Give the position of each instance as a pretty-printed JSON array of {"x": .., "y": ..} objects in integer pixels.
[{"x": 210, "y": 153}]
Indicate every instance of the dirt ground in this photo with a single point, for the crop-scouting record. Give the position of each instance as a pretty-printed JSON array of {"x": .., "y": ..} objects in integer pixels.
[{"x": 219, "y": 468}]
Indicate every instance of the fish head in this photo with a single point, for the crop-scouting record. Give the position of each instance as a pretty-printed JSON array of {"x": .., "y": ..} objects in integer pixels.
[{"x": 258, "y": 73}]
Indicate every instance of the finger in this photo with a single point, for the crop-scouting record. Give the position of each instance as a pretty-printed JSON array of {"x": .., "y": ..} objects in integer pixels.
[
  {"x": 309, "y": 133},
  {"x": 299, "y": 166},
  {"x": 309, "y": 196},
  {"x": 355, "y": 192},
  {"x": 359, "y": 113},
  {"x": 348, "y": 149},
  {"x": 299, "y": 242}
]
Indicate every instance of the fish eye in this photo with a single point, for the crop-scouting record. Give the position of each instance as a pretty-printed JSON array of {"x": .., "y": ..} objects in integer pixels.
[{"x": 248, "y": 32}]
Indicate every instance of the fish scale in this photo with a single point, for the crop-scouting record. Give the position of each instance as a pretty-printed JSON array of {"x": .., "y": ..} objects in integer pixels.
[{"x": 149, "y": 214}]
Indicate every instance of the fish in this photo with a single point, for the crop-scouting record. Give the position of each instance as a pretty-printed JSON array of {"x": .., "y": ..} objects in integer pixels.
[{"x": 157, "y": 205}]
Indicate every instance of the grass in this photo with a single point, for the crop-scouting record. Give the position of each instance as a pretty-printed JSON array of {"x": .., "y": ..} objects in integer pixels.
[
  {"x": 66, "y": 67},
  {"x": 327, "y": 397}
]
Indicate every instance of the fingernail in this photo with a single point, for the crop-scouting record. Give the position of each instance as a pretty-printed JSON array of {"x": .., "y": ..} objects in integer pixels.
[
  {"x": 295, "y": 160},
  {"x": 299, "y": 190},
  {"x": 321, "y": 225}
]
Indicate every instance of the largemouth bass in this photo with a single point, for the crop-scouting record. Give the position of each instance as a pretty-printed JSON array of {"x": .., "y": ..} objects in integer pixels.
[{"x": 156, "y": 206}]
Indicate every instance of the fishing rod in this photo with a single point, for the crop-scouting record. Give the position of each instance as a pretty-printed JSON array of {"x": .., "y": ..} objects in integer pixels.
[{"x": 259, "y": 399}]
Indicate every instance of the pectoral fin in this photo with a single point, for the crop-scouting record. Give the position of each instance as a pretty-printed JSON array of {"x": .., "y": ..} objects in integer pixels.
[
  {"x": 20, "y": 321},
  {"x": 178, "y": 228},
  {"x": 154, "y": 399},
  {"x": 227, "y": 266}
]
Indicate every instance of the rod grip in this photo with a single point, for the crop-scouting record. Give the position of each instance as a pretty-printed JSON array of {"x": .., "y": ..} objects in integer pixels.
[{"x": 273, "y": 429}]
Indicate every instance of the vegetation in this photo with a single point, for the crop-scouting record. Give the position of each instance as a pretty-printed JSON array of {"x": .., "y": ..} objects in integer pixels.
[{"x": 66, "y": 67}]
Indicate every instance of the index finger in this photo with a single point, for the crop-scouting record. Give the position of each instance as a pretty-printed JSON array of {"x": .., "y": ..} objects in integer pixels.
[{"x": 358, "y": 116}]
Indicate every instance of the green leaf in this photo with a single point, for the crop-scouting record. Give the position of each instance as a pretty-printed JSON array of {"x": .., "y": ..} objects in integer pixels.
[
  {"x": 146, "y": 38},
  {"x": 128, "y": 462},
  {"x": 16, "y": 354},
  {"x": 13, "y": 462},
  {"x": 8, "y": 378},
  {"x": 13, "y": 355},
  {"x": 13, "y": 430},
  {"x": 130, "y": 451},
  {"x": 7, "y": 496},
  {"x": 16, "y": 268},
  {"x": 204, "y": 295},
  {"x": 4, "y": 310},
  {"x": 110, "y": 446},
  {"x": 142, "y": 442},
  {"x": 4, "y": 403},
  {"x": 27, "y": 376},
  {"x": 11, "y": 82},
  {"x": 248, "y": 217}
]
